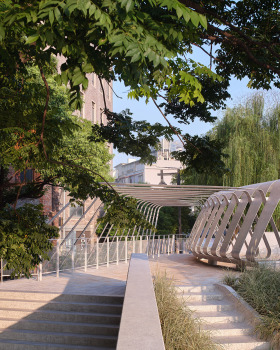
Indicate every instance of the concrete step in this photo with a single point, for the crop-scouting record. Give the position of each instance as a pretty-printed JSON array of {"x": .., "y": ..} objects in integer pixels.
[
  {"x": 195, "y": 289},
  {"x": 211, "y": 305},
  {"x": 220, "y": 316},
  {"x": 228, "y": 329},
  {"x": 243, "y": 342},
  {"x": 42, "y": 321},
  {"x": 107, "y": 299},
  {"x": 6, "y": 344},
  {"x": 59, "y": 338},
  {"x": 197, "y": 296},
  {"x": 62, "y": 316},
  {"x": 61, "y": 306},
  {"x": 54, "y": 326}
]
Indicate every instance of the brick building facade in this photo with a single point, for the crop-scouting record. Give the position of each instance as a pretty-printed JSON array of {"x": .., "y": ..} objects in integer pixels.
[{"x": 55, "y": 198}]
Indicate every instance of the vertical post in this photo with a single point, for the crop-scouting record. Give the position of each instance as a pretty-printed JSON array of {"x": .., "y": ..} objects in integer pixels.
[
  {"x": 117, "y": 249},
  {"x": 125, "y": 249},
  {"x": 40, "y": 275},
  {"x": 73, "y": 256},
  {"x": 141, "y": 244},
  {"x": 133, "y": 244},
  {"x": 85, "y": 254},
  {"x": 153, "y": 246},
  {"x": 57, "y": 258},
  {"x": 2, "y": 270},
  {"x": 158, "y": 246},
  {"x": 108, "y": 251},
  {"x": 168, "y": 245},
  {"x": 97, "y": 253},
  {"x": 179, "y": 208},
  {"x": 147, "y": 245}
]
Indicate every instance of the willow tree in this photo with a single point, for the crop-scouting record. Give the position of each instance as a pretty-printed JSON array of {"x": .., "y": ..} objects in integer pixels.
[{"x": 249, "y": 133}]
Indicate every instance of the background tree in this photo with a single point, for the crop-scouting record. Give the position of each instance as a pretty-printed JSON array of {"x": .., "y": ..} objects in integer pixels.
[
  {"x": 249, "y": 133},
  {"x": 168, "y": 220}
]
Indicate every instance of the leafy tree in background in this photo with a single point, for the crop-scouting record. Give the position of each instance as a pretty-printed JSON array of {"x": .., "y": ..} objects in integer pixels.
[
  {"x": 249, "y": 133},
  {"x": 168, "y": 220}
]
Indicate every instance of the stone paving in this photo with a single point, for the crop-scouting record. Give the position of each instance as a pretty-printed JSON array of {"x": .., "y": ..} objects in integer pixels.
[
  {"x": 104, "y": 281},
  {"x": 183, "y": 268}
]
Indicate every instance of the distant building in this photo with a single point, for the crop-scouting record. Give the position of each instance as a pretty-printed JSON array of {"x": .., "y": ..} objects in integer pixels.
[{"x": 135, "y": 172}]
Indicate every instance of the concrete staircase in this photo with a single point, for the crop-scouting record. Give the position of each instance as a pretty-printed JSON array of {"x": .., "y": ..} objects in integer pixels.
[
  {"x": 40, "y": 321},
  {"x": 228, "y": 327}
]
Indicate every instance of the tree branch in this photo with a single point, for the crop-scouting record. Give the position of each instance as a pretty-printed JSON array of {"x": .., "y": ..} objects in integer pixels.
[{"x": 181, "y": 137}]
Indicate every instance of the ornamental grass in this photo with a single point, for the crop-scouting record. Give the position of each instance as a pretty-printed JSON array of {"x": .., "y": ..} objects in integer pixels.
[{"x": 180, "y": 329}]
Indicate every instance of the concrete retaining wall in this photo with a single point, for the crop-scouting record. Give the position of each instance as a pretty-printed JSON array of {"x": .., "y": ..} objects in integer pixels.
[{"x": 140, "y": 325}]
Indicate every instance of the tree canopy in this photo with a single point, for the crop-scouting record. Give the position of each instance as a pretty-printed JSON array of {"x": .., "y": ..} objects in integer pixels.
[
  {"x": 147, "y": 45},
  {"x": 249, "y": 135}
]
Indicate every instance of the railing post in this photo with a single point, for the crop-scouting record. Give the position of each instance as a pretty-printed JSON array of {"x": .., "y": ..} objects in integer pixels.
[
  {"x": 147, "y": 245},
  {"x": 85, "y": 254},
  {"x": 117, "y": 249},
  {"x": 125, "y": 250},
  {"x": 153, "y": 246},
  {"x": 168, "y": 242},
  {"x": 97, "y": 253},
  {"x": 158, "y": 246},
  {"x": 73, "y": 256},
  {"x": 57, "y": 258},
  {"x": 141, "y": 246},
  {"x": 108, "y": 251},
  {"x": 133, "y": 244},
  {"x": 40, "y": 275}
]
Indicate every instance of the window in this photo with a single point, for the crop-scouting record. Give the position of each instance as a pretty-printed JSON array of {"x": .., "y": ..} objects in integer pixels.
[
  {"x": 93, "y": 116},
  {"x": 26, "y": 175},
  {"x": 77, "y": 211},
  {"x": 101, "y": 85},
  {"x": 101, "y": 115}
]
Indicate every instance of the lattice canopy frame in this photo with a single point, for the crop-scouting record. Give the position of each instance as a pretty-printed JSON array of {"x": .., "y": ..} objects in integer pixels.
[{"x": 239, "y": 225}]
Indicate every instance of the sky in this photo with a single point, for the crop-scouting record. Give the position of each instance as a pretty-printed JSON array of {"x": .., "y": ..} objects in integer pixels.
[{"x": 143, "y": 111}]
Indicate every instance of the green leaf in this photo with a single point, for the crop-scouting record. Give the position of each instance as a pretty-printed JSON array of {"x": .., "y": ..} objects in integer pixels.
[
  {"x": 32, "y": 38},
  {"x": 135, "y": 57},
  {"x": 78, "y": 79},
  {"x": 57, "y": 14},
  {"x": 186, "y": 15},
  {"x": 203, "y": 21},
  {"x": 51, "y": 17},
  {"x": 92, "y": 9},
  {"x": 2, "y": 33},
  {"x": 179, "y": 11},
  {"x": 195, "y": 18},
  {"x": 85, "y": 84}
]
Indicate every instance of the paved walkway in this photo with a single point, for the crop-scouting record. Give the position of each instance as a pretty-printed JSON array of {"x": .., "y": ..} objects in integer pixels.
[
  {"x": 104, "y": 281},
  {"x": 184, "y": 269}
]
